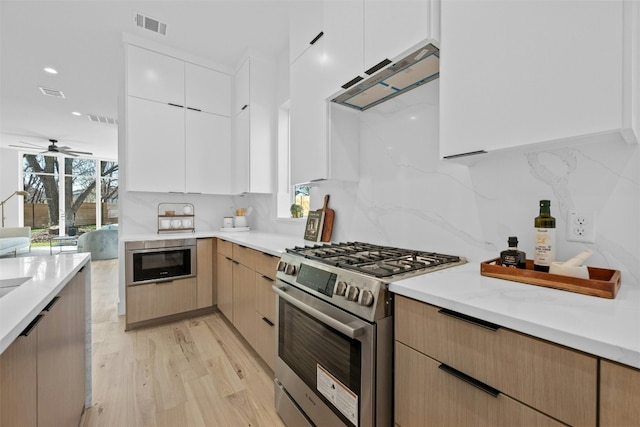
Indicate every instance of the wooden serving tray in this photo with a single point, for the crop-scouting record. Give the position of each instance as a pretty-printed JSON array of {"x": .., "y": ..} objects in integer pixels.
[{"x": 602, "y": 282}]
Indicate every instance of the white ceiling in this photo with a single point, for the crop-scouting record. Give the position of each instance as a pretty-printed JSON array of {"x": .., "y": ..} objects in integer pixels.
[{"x": 82, "y": 40}]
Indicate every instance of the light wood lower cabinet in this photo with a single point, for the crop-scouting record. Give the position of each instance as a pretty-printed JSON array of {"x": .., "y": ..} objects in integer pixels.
[
  {"x": 244, "y": 280},
  {"x": 206, "y": 296},
  {"x": 42, "y": 374},
  {"x": 19, "y": 381},
  {"x": 153, "y": 300},
  {"x": 244, "y": 301},
  {"x": 619, "y": 395},
  {"x": 429, "y": 396},
  {"x": 224, "y": 285},
  {"x": 554, "y": 380}
]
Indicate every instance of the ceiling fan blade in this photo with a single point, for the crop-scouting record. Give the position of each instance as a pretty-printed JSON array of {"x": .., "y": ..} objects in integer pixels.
[
  {"x": 78, "y": 152},
  {"x": 69, "y": 153},
  {"x": 30, "y": 143},
  {"x": 25, "y": 148}
]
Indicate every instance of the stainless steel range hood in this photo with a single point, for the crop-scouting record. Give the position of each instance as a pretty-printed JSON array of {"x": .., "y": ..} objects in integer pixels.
[{"x": 392, "y": 78}]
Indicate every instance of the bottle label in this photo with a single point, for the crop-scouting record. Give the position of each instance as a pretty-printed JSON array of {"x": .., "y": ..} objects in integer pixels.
[{"x": 545, "y": 246}]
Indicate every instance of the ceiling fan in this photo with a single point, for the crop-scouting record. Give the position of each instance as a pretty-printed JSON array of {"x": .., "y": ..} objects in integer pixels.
[{"x": 52, "y": 148}]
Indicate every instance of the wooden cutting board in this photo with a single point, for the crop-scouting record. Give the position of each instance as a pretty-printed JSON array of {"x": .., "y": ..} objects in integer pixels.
[{"x": 329, "y": 214}]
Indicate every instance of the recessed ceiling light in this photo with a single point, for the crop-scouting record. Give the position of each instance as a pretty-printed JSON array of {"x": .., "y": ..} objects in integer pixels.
[
  {"x": 75, "y": 113},
  {"x": 51, "y": 70}
]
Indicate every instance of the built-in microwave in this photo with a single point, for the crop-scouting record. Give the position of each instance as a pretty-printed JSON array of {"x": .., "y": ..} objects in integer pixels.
[{"x": 159, "y": 260}]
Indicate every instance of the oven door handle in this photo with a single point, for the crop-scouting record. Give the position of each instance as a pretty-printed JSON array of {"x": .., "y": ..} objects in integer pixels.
[{"x": 323, "y": 317}]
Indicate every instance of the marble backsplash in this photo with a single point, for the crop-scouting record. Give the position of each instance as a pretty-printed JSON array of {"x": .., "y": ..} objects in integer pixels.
[{"x": 407, "y": 197}]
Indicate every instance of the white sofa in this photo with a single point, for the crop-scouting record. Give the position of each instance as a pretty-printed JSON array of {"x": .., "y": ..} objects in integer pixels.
[{"x": 13, "y": 239}]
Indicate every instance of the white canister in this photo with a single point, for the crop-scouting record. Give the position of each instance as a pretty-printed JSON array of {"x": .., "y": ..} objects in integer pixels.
[
  {"x": 187, "y": 210},
  {"x": 165, "y": 223},
  {"x": 176, "y": 223},
  {"x": 227, "y": 222},
  {"x": 187, "y": 223},
  {"x": 240, "y": 221}
]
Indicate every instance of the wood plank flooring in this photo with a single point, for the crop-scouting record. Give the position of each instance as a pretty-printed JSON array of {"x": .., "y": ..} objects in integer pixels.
[{"x": 195, "y": 372}]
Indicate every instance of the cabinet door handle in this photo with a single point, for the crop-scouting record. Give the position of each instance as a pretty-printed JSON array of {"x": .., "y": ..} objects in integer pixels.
[
  {"x": 175, "y": 105},
  {"x": 244, "y": 107},
  {"x": 376, "y": 67},
  {"x": 470, "y": 380},
  {"x": 162, "y": 282},
  {"x": 228, "y": 259},
  {"x": 267, "y": 321},
  {"x": 51, "y": 304},
  {"x": 268, "y": 278},
  {"x": 316, "y": 38},
  {"x": 470, "y": 153},
  {"x": 82, "y": 269},
  {"x": 194, "y": 109},
  {"x": 31, "y": 326},
  {"x": 482, "y": 323},
  {"x": 235, "y": 262}
]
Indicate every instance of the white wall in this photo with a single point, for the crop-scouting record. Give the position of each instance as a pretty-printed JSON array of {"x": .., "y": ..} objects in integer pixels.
[
  {"x": 10, "y": 181},
  {"x": 407, "y": 197}
]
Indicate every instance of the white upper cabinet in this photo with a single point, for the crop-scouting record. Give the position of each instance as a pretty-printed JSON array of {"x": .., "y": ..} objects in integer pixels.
[
  {"x": 207, "y": 153},
  {"x": 155, "y": 146},
  {"x": 393, "y": 26},
  {"x": 178, "y": 129},
  {"x": 207, "y": 90},
  {"x": 254, "y": 126},
  {"x": 154, "y": 76},
  {"x": 514, "y": 73},
  {"x": 306, "y": 20}
]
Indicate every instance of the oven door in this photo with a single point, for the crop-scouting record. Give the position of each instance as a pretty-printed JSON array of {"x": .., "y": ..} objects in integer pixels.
[{"x": 325, "y": 361}]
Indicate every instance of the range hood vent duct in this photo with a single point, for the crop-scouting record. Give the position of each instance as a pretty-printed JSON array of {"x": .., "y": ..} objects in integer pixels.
[{"x": 421, "y": 66}]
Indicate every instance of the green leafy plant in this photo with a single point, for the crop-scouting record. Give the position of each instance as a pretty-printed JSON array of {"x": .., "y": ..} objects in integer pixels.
[{"x": 296, "y": 211}]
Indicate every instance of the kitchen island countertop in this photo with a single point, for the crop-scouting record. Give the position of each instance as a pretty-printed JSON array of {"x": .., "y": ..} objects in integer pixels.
[
  {"x": 47, "y": 276},
  {"x": 609, "y": 328}
]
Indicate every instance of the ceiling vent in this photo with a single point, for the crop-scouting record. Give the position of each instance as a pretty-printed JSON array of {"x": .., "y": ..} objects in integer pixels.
[
  {"x": 101, "y": 119},
  {"x": 51, "y": 92},
  {"x": 151, "y": 24}
]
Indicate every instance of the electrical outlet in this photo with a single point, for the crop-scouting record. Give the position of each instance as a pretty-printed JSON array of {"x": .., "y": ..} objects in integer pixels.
[{"x": 581, "y": 227}]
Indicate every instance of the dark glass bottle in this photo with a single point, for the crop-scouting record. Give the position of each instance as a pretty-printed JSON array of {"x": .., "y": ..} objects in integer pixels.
[
  {"x": 545, "y": 238},
  {"x": 512, "y": 257}
]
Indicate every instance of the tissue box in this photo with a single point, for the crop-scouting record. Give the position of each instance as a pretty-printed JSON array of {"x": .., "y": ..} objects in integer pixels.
[{"x": 602, "y": 282}]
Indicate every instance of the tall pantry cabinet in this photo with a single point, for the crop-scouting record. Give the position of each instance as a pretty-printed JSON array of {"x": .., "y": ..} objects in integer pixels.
[{"x": 178, "y": 124}]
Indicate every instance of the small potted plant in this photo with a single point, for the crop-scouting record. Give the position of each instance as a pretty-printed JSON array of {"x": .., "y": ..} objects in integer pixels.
[
  {"x": 72, "y": 230},
  {"x": 296, "y": 211}
]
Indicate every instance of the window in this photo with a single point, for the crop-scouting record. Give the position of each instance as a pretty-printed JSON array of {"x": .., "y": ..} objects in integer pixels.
[
  {"x": 74, "y": 202},
  {"x": 293, "y": 201}
]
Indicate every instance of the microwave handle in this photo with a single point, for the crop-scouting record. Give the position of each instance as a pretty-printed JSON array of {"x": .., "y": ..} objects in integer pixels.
[{"x": 323, "y": 317}]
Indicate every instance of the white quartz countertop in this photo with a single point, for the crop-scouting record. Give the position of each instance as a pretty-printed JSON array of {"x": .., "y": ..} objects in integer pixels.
[
  {"x": 609, "y": 328},
  {"x": 47, "y": 276}
]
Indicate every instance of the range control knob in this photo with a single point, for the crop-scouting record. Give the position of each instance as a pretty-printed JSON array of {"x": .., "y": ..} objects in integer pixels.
[
  {"x": 365, "y": 298},
  {"x": 340, "y": 289},
  {"x": 352, "y": 293},
  {"x": 282, "y": 265},
  {"x": 290, "y": 269}
]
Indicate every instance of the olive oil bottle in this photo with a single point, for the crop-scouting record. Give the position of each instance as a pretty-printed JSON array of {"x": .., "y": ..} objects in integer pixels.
[{"x": 545, "y": 238}]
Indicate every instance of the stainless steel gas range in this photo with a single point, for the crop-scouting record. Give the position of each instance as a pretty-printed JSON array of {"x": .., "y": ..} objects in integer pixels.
[{"x": 334, "y": 321}]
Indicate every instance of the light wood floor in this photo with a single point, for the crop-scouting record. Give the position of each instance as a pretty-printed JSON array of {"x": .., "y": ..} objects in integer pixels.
[{"x": 195, "y": 372}]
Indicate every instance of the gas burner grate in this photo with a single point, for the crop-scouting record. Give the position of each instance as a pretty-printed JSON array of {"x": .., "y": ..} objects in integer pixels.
[{"x": 375, "y": 260}]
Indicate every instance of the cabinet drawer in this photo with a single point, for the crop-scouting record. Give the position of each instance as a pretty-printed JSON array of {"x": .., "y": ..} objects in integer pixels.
[
  {"x": 267, "y": 264},
  {"x": 450, "y": 401},
  {"x": 225, "y": 248},
  {"x": 619, "y": 395},
  {"x": 511, "y": 362},
  {"x": 265, "y": 297},
  {"x": 155, "y": 300},
  {"x": 265, "y": 344},
  {"x": 245, "y": 256}
]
